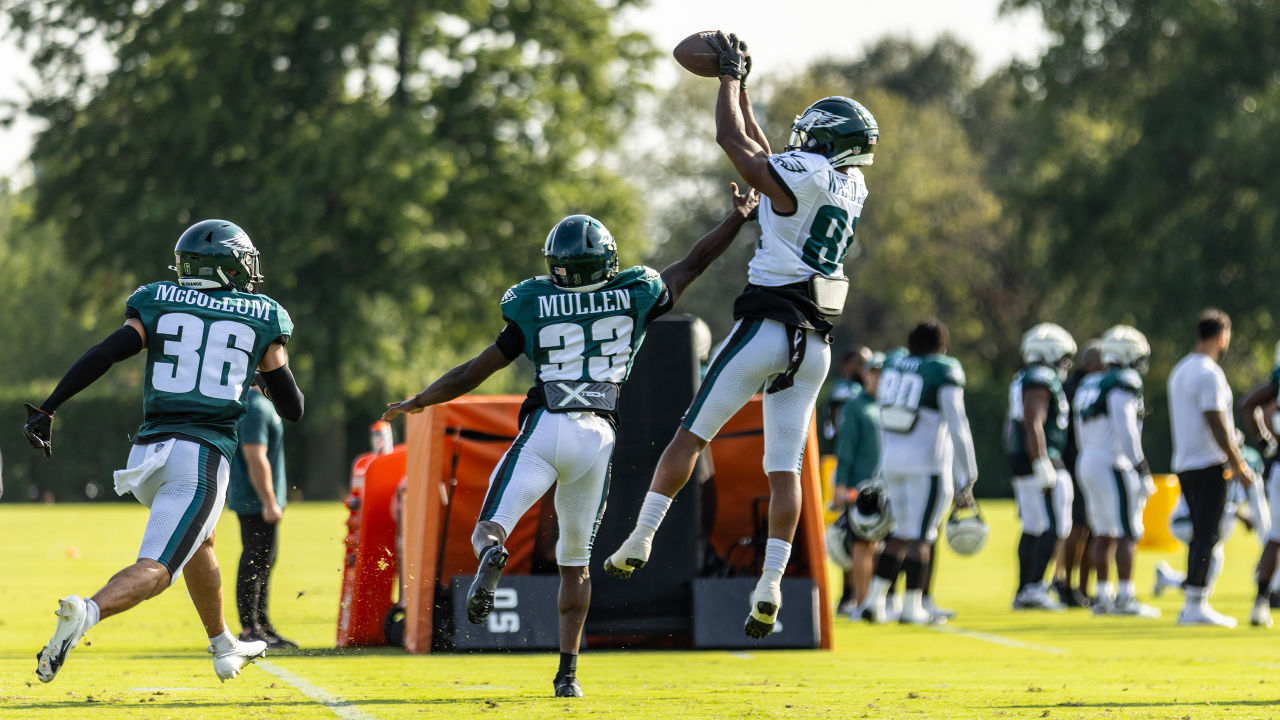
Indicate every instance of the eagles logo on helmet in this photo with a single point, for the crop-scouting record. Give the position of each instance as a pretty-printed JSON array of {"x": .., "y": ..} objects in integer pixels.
[
  {"x": 967, "y": 534},
  {"x": 840, "y": 129}
]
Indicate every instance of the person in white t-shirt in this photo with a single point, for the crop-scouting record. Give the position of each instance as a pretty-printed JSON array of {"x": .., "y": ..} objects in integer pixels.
[{"x": 1205, "y": 456}]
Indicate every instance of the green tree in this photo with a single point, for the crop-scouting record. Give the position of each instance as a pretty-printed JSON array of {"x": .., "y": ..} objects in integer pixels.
[
  {"x": 1150, "y": 185},
  {"x": 397, "y": 164}
]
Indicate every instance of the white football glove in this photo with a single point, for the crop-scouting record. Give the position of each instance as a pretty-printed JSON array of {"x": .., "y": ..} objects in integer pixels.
[{"x": 1045, "y": 473}]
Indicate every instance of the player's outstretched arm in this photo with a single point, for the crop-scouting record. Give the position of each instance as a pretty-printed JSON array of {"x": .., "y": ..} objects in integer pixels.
[
  {"x": 680, "y": 275},
  {"x": 454, "y": 384},
  {"x": 278, "y": 383},
  {"x": 749, "y": 157},
  {"x": 119, "y": 345}
]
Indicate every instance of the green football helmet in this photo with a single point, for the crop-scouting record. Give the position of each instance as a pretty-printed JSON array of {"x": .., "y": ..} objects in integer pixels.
[
  {"x": 217, "y": 255},
  {"x": 839, "y": 129},
  {"x": 581, "y": 253}
]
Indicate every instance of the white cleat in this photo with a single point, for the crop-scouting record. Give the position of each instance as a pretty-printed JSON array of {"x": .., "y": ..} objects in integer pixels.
[
  {"x": 1166, "y": 578},
  {"x": 1261, "y": 615},
  {"x": 229, "y": 664},
  {"x": 1131, "y": 607},
  {"x": 67, "y": 634},
  {"x": 765, "y": 603},
  {"x": 944, "y": 612},
  {"x": 633, "y": 554},
  {"x": 1036, "y": 597},
  {"x": 1204, "y": 615},
  {"x": 874, "y": 615}
]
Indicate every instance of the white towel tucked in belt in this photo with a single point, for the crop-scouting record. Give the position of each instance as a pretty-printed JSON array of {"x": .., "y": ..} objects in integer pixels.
[{"x": 157, "y": 455}]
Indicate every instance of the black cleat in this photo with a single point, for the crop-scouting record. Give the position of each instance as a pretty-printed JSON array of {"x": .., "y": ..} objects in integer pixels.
[
  {"x": 758, "y": 628},
  {"x": 480, "y": 595},
  {"x": 568, "y": 686}
]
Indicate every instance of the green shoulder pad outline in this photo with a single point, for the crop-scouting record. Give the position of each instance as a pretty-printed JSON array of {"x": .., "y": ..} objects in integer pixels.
[{"x": 952, "y": 372}]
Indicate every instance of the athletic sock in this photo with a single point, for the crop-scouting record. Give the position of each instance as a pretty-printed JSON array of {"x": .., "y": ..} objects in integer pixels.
[
  {"x": 914, "y": 572},
  {"x": 1106, "y": 591},
  {"x": 651, "y": 514},
  {"x": 1126, "y": 589},
  {"x": 1195, "y": 596},
  {"x": 776, "y": 554},
  {"x": 1046, "y": 544},
  {"x": 568, "y": 666},
  {"x": 913, "y": 603},
  {"x": 226, "y": 642},
  {"x": 879, "y": 592},
  {"x": 92, "y": 616},
  {"x": 1026, "y": 560}
]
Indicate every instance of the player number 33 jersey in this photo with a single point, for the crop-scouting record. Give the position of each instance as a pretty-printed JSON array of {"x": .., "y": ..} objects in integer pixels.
[{"x": 816, "y": 237}]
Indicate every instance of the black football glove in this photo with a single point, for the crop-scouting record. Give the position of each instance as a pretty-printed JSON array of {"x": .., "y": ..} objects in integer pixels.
[
  {"x": 743, "y": 80},
  {"x": 39, "y": 429},
  {"x": 732, "y": 53}
]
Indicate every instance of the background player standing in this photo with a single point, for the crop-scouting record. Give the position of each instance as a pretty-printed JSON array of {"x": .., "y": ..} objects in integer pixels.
[
  {"x": 203, "y": 336},
  {"x": 927, "y": 458},
  {"x": 1112, "y": 471},
  {"x": 1036, "y": 430},
  {"x": 581, "y": 325},
  {"x": 1075, "y": 556},
  {"x": 813, "y": 195}
]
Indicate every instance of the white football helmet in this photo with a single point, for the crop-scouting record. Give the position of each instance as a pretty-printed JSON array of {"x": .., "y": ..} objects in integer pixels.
[
  {"x": 838, "y": 541},
  {"x": 1126, "y": 347},
  {"x": 1048, "y": 344},
  {"x": 967, "y": 534},
  {"x": 870, "y": 517}
]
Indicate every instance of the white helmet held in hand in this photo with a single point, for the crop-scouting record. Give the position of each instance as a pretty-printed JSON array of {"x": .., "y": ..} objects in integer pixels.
[
  {"x": 1047, "y": 343},
  {"x": 967, "y": 534},
  {"x": 1126, "y": 347},
  {"x": 870, "y": 517}
]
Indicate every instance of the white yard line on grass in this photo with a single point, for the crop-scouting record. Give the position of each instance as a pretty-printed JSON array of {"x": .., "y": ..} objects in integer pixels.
[
  {"x": 998, "y": 639},
  {"x": 340, "y": 707}
]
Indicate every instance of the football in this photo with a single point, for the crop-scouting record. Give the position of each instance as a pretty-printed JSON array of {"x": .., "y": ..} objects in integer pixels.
[{"x": 696, "y": 55}]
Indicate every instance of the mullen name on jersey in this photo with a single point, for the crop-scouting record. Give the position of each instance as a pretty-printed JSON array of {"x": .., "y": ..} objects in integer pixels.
[
  {"x": 239, "y": 305},
  {"x": 566, "y": 304}
]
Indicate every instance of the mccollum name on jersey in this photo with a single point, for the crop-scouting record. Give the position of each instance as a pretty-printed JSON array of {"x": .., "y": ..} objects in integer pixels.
[{"x": 238, "y": 304}]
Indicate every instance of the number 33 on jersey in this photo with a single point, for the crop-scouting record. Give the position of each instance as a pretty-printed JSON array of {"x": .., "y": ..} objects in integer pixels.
[
  {"x": 202, "y": 350},
  {"x": 589, "y": 336}
]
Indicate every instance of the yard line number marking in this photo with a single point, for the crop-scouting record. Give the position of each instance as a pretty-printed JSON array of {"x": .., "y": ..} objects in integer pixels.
[
  {"x": 998, "y": 639},
  {"x": 340, "y": 707}
]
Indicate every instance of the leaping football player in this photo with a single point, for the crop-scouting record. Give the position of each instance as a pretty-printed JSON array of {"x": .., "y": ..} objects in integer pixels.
[
  {"x": 813, "y": 195},
  {"x": 581, "y": 326},
  {"x": 1036, "y": 430},
  {"x": 204, "y": 335}
]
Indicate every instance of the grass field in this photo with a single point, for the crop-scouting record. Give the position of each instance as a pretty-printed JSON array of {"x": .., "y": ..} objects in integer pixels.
[{"x": 990, "y": 662}]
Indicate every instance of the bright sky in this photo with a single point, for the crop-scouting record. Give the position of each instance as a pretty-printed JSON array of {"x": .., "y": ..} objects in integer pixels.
[{"x": 783, "y": 36}]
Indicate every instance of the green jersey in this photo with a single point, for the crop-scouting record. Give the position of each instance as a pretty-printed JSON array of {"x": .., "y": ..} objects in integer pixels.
[
  {"x": 589, "y": 336},
  {"x": 1057, "y": 422},
  {"x": 202, "y": 350}
]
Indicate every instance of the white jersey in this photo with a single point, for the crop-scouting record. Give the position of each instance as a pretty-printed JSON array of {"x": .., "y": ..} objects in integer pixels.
[
  {"x": 924, "y": 427},
  {"x": 1108, "y": 409},
  {"x": 816, "y": 237}
]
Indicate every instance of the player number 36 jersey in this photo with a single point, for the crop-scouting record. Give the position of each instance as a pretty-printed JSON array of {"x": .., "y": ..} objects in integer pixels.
[
  {"x": 816, "y": 237},
  {"x": 202, "y": 350}
]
